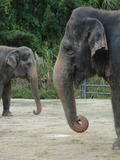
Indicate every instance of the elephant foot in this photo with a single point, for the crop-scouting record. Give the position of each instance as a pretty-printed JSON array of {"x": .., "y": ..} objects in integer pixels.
[
  {"x": 116, "y": 144},
  {"x": 7, "y": 113}
]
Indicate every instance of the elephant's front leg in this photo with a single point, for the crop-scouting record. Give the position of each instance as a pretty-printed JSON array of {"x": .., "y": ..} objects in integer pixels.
[
  {"x": 6, "y": 96},
  {"x": 115, "y": 97}
]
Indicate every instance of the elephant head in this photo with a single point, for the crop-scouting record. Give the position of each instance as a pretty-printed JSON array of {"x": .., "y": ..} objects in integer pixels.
[
  {"x": 82, "y": 48},
  {"x": 22, "y": 63}
]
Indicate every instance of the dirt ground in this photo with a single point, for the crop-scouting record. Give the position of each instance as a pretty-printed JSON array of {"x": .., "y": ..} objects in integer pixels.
[{"x": 47, "y": 136}]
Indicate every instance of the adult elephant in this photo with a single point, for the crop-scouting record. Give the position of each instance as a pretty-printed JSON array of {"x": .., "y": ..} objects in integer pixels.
[
  {"x": 17, "y": 62},
  {"x": 91, "y": 45}
]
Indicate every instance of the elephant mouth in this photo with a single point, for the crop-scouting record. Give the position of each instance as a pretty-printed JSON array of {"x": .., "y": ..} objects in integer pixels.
[
  {"x": 77, "y": 80},
  {"x": 77, "y": 83}
]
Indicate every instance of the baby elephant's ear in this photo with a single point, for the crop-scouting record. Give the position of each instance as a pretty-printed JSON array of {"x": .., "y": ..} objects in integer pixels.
[
  {"x": 97, "y": 38},
  {"x": 12, "y": 58}
]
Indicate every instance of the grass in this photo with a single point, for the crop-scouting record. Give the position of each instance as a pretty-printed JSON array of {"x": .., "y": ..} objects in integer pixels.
[{"x": 21, "y": 89}]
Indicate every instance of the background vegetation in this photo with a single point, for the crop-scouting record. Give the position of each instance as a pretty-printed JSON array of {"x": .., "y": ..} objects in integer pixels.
[{"x": 40, "y": 24}]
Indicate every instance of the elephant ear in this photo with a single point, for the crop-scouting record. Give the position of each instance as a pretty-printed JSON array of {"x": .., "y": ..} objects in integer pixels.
[
  {"x": 12, "y": 58},
  {"x": 97, "y": 38}
]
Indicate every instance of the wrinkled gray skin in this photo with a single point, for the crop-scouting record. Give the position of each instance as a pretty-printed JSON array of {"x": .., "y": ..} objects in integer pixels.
[
  {"x": 17, "y": 62},
  {"x": 91, "y": 45}
]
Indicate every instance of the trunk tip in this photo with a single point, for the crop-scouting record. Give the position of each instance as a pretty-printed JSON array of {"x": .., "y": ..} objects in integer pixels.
[
  {"x": 36, "y": 112},
  {"x": 80, "y": 125}
]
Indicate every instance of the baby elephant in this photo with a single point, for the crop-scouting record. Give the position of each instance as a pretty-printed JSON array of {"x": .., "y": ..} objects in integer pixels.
[{"x": 17, "y": 62}]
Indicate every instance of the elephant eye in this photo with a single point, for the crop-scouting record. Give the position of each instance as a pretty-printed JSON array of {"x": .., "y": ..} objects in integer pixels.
[
  {"x": 68, "y": 50},
  {"x": 25, "y": 57}
]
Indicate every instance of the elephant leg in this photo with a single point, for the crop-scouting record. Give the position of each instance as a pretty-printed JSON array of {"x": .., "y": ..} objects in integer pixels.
[
  {"x": 6, "y": 100},
  {"x": 1, "y": 90},
  {"x": 115, "y": 98}
]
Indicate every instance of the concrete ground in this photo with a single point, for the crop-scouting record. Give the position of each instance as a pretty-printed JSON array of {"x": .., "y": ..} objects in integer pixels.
[{"x": 47, "y": 136}]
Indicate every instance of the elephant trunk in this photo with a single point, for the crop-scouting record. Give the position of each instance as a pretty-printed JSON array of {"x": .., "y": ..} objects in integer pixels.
[
  {"x": 64, "y": 85},
  {"x": 33, "y": 79}
]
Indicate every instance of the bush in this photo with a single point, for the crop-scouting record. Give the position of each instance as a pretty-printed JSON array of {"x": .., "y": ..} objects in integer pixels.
[{"x": 18, "y": 38}]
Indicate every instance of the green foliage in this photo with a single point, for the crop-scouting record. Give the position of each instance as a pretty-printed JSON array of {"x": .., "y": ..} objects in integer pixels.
[
  {"x": 94, "y": 3},
  {"x": 50, "y": 26},
  {"x": 17, "y": 38},
  {"x": 21, "y": 89},
  {"x": 98, "y": 89},
  {"x": 49, "y": 93},
  {"x": 45, "y": 67},
  {"x": 105, "y": 4},
  {"x": 111, "y": 4},
  {"x": 6, "y": 15},
  {"x": 83, "y": 2}
]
